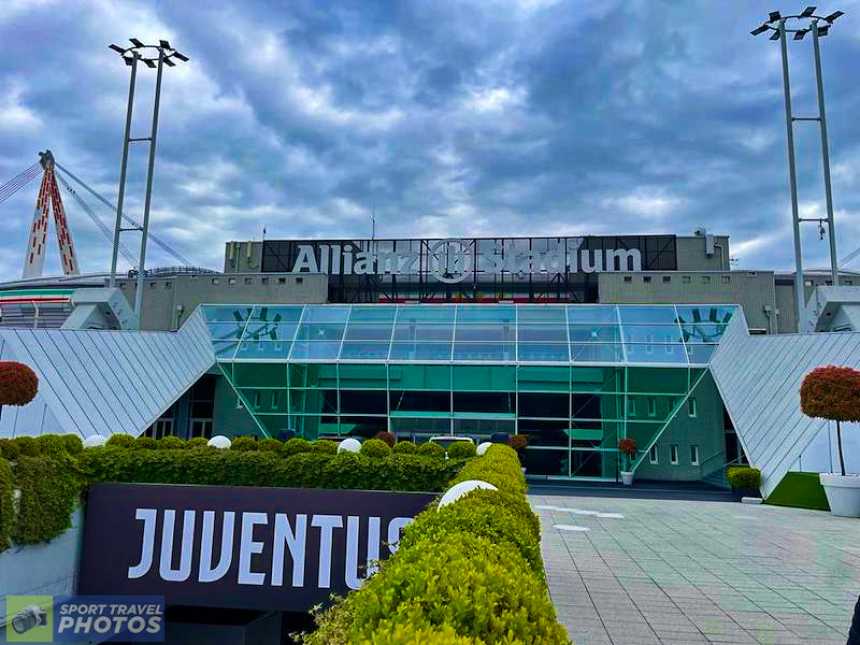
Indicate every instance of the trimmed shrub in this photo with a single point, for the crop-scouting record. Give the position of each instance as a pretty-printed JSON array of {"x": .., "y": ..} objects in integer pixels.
[
  {"x": 430, "y": 449},
  {"x": 27, "y": 446},
  {"x": 73, "y": 444},
  {"x": 7, "y": 507},
  {"x": 405, "y": 448},
  {"x": 244, "y": 443},
  {"x": 831, "y": 393},
  {"x": 487, "y": 592},
  {"x": 9, "y": 449},
  {"x": 144, "y": 443},
  {"x": 171, "y": 443},
  {"x": 387, "y": 437},
  {"x": 51, "y": 444},
  {"x": 270, "y": 444},
  {"x": 18, "y": 383},
  {"x": 197, "y": 442},
  {"x": 295, "y": 446},
  {"x": 325, "y": 446},
  {"x": 392, "y": 633},
  {"x": 376, "y": 448},
  {"x": 120, "y": 440},
  {"x": 461, "y": 450},
  {"x": 744, "y": 478},
  {"x": 50, "y": 488}
]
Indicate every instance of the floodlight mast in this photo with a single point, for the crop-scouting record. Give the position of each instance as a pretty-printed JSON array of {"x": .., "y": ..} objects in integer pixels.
[
  {"x": 800, "y": 24},
  {"x": 154, "y": 57}
]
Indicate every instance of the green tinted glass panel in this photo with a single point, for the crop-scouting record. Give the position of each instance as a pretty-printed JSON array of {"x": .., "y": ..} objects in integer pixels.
[
  {"x": 420, "y": 377},
  {"x": 313, "y": 375},
  {"x": 544, "y": 379},
  {"x": 260, "y": 374},
  {"x": 357, "y": 377},
  {"x": 659, "y": 380},
  {"x": 484, "y": 378}
]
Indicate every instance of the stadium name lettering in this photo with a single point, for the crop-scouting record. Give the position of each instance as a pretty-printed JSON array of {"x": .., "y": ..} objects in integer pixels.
[
  {"x": 284, "y": 545},
  {"x": 452, "y": 261}
]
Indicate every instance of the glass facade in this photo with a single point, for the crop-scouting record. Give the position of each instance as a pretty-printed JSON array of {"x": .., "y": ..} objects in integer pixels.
[{"x": 572, "y": 378}]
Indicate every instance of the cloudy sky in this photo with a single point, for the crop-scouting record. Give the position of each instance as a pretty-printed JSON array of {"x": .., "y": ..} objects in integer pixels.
[{"x": 520, "y": 117}]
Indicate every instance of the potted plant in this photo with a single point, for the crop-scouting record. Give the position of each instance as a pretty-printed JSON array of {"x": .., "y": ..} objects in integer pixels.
[
  {"x": 745, "y": 481},
  {"x": 519, "y": 442},
  {"x": 627, "y": 448},
  {"x": 833, "y": 393}
]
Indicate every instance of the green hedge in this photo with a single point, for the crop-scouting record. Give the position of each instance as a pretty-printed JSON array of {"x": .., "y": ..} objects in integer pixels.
[
  {"x": 7, "y": 508},
  {"x": 50, "y": 488},
  {"x": 267, "y": 468},
  {"x": 744, "y": 478},
  {"x": 470, "y": 572},
  {"x": 800, "y": 490},
  {"x": 375, "y": 448},
  {"x": 462, "y": 450}
]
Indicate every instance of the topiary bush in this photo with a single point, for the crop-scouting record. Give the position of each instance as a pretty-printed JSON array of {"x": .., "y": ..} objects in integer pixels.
[
  {"x": 430, "y": 449},
  {"x": 295, "y": 446},
  {"x": 9, "y": 449},
  {"x": 324, "y": 446},
  {"x": 172, "y": 443},
  {"x": 120, "y": 440},
  {"x": 376, "y": 448},
  {"x": 144, "y": 443},
  {"x": 197, "y": 442},
  {"x": 743, "y": 478},
  {"x": 244, "y": 443},
  {"x": 73, "y": 444},
  {"x": 405, "y": 448},
  {"x": 18, "y": 383},
  {"x": 387, "y": 437},
  {"x": 51, "y": 444},
  {"x": 270, "y": 444},
  {"x": 27, "y": 446},
  {"x": 461, "y": 450},
  {"x": 832, "y": 393}
]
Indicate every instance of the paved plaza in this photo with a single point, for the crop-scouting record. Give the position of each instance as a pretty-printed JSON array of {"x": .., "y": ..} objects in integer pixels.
[{"x": 630, "y": 571}]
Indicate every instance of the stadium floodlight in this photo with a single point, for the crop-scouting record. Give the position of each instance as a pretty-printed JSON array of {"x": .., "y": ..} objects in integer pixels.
[
  {"x": 798, "y": 25},
  {"x": 154, "y": 57}
]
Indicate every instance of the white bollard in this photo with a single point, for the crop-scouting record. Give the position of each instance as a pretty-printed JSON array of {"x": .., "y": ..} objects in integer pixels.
[
  {"x": 483, "y": 448},
  {"x": 95, "y": 441},
  {"x": 219, "y": 441},
  {"x": 458, "y": 490},
  {"x": 349, "y": 445}
]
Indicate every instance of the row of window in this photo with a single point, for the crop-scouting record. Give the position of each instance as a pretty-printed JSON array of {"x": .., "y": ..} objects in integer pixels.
[
  {"x": 651, "y": 402},
  {"x": 685, "y": 279},
  {"x": 168, "y": 284},
  {"x": 654, "y": 458}
]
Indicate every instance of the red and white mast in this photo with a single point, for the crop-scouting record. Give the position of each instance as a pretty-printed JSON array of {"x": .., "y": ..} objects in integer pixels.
[{"x": 49, "y": 199}]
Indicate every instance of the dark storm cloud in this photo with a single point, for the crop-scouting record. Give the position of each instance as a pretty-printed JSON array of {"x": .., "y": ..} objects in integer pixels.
[{"x": 483, "y": 117}]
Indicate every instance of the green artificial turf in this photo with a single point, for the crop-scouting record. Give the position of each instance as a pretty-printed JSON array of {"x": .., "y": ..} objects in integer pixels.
[{"x": 799, "y": 490}]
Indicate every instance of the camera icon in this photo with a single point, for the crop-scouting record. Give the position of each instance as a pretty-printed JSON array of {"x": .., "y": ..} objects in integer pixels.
[{"x": 28, "y": 618}]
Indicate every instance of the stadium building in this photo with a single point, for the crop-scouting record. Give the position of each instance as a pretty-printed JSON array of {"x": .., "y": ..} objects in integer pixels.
[{"x": 573, "y": 342}]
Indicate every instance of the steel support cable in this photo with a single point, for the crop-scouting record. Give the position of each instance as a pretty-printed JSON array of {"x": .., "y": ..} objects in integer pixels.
[
  {"x": 95, "y": 218},
  {"x": 19, "y": 181},
  {"x": 157, "y": 241}
]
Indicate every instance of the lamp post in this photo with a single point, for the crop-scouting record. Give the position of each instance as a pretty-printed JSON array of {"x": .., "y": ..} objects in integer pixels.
[
  {"x": 798, "y": 25},
  {"x": 154, "y": 57}
]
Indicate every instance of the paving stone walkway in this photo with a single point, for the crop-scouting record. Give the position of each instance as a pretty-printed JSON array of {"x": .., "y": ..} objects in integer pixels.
[{"x": 631, "y": 571}]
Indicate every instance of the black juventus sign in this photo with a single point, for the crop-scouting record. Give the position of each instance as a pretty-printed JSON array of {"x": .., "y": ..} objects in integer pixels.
[{"x": 238, "y": 547}]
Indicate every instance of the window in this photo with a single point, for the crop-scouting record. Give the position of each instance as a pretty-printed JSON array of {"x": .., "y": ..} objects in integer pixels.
[
  {"x": 299, "y": 280},
  {"x": 282, "y": 281},
  {"x": 257, "y": 400},
  {"x": 706, "y": 279},
  {"x": 249, "y": 280},
  {"x": 239, "y": 404},
  {"x": 168, "y": 284},
  {"x": 686, "y": 279},
  {"x": 694, "y": 455},
  {"x": 628, "y": 278},
  {"x": 631, "y": 407},
  {"x": 652, "y": 455},
  {"x": 673, "y": 454},
  {"x": 646, "y": 278},
  {"x": 692, "y": 407},
  {"x": 231, "y": 281},
  {"x": 276, "y": 399},
  {"x": 667, "y": 278},
  {"x": 726, "y": 279},
  {"x": 216, "y": 281},
  {"x": 652, "y": 407},
  {"x": 153, "y": 284}
]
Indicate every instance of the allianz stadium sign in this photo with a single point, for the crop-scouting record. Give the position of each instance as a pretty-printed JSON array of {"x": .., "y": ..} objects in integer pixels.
[{"x": 453, "y": 261}]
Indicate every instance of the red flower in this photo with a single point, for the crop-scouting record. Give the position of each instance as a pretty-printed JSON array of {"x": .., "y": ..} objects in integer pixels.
[
  {"x": 831, "y": 393},
  {"x": 628, "y": 447},
  {"x": 18, "y": 383}
]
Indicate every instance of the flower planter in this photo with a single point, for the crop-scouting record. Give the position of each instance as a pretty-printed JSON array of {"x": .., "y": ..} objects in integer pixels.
[
  {"x": 626, "y": 478},
  {"x": 843, "y": 493}
]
